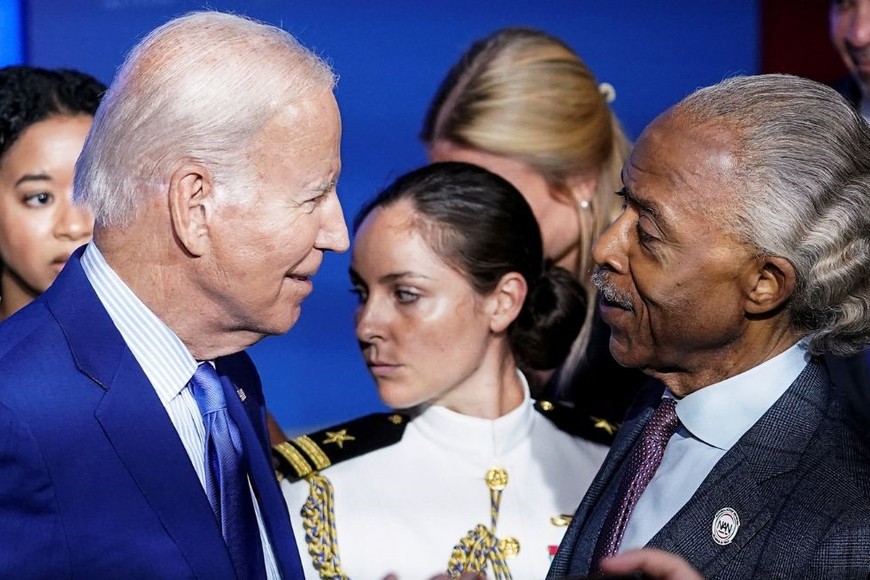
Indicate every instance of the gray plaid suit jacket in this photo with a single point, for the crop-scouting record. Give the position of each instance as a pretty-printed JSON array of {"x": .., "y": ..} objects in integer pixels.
[{"x": 799, "y": 480}]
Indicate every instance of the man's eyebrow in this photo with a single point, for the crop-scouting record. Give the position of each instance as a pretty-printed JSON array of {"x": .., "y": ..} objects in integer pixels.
[
  {"x": 328, "y": 186},
  {"x": 649, "y": 207}
]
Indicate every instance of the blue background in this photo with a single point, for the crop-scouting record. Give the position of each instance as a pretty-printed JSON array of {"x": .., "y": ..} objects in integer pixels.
[{"x": 390, "y": 56}]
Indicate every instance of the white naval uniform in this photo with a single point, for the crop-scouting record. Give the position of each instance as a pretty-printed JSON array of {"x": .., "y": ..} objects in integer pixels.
[{"x": 401, "y": 509}]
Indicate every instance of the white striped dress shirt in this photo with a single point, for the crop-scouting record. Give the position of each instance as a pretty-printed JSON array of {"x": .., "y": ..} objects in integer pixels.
[{"x": 166, "y": 362}]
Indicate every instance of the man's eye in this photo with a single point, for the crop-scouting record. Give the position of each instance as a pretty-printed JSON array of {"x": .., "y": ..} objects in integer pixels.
[{"x": 644, "y": 237}]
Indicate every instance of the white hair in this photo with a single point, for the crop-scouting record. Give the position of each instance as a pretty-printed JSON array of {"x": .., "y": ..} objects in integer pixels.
[
  {"x": 802, "y": 178},
  {"x": 196, "y": 89}
]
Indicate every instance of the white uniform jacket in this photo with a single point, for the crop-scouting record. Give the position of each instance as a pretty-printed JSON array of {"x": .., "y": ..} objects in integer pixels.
[{"x": 402, "y": 508}]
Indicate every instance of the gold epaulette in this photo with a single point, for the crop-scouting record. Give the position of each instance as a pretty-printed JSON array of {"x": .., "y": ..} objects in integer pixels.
[
  {"x": 306, "y": 454},
  {"x": 570, "y": 420}
]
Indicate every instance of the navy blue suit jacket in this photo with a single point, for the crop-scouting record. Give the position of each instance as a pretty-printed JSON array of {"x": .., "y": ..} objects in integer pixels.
[
  {"x": 799, "y": 480},
  {"x": 94, "y": 479}
]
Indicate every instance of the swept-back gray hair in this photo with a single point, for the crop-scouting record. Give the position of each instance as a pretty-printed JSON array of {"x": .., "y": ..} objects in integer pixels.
[
  {"x": 802, "y": 179},
  {"x": 198, "y": 88}
]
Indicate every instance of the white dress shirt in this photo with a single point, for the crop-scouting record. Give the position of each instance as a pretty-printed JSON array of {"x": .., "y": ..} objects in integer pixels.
[
  {"x": 166, "y": 362},
  {"x": 401, "y": 509},
  {"x": 712, "y": 420}
]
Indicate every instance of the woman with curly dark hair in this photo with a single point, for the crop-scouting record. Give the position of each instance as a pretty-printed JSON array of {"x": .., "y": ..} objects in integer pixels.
[{"x": 45, "y": 116}]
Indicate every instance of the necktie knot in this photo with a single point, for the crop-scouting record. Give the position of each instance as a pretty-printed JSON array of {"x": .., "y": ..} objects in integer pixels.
[
  {"x": 663, "y": 422},
  {"x": 207, "y": 389}
]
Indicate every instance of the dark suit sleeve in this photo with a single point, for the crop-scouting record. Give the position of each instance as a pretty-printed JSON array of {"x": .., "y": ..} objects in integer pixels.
[{"x": 28, "y": 508}]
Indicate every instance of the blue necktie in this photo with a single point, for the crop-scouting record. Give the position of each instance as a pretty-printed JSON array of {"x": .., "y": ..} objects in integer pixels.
[{"x": 226, "y": 477}]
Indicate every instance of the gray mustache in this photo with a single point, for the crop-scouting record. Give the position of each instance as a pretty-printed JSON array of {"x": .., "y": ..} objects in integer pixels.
[{"x": 608, "y": 291}]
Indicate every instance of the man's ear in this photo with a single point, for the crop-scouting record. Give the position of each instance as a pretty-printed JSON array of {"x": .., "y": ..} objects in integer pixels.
[
  {"x": 506, "y": 301},
  {"x": 191, "y": 205},
  {"x": 773, "y": 283}
]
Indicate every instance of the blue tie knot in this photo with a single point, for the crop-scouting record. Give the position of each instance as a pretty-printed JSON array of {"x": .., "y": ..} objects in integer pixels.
[{"x": 207, "y": 389}]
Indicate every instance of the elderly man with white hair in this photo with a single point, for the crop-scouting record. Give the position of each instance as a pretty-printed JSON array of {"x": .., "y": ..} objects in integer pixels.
[
  {"x": 132, "y": 432},
  {"x": 740, "y": 261}
]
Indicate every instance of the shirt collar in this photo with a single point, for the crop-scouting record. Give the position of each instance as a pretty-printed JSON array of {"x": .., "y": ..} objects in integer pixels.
[
  {"x": 721, "y": 413},
  {"x": 163, "y": 357}
]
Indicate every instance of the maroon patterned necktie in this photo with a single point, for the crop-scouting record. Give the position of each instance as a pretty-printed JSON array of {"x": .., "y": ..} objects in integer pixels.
[{"x": 640, "y": 467}]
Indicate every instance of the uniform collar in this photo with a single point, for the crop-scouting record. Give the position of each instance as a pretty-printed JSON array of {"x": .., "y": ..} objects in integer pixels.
[{"x": 476, "y": 437}]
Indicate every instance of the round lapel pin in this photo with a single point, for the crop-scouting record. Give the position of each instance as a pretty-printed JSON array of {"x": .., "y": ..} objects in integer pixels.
[{"x": 725, "y": 526}]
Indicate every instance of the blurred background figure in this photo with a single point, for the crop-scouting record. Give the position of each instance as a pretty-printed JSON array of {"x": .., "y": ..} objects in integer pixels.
[
  {"x": 524, "y": 105},
  {"x": 850, "y": 34},
  {"x": 44, "y": 118},
  {"x": 472, "y": 475}
]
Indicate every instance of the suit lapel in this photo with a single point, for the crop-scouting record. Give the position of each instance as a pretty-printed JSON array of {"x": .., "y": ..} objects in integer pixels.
[
  {"x": 575, "y": 551},
  {"x": 153, "y": 454},
  {"x": 765, "y": 453},
  {"x": 732, "y": 484},
  {"x": 137, "y": 425},
  {"x": 250, "y": 420}
]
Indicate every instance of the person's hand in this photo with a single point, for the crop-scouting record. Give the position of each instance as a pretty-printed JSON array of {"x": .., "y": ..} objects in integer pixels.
[{"x": 656, "y": 564}]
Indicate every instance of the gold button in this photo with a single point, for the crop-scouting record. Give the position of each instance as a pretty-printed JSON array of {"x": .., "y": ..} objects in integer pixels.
[
  {"x": 546, "y": 405},
  {"x": 496, "y": 478},
  {"x": 509, "y": 546},
  {"x": 395, "y": 419},
  {"x": 561, "y": 520}
]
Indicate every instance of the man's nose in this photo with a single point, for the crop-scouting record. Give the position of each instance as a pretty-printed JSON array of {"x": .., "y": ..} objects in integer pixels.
[
  {"x": 610, "y": 249},
  {"x": 333, "y": 234}
]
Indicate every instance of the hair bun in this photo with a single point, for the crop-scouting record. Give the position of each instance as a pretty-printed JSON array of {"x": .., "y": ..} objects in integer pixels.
[{"x": 552, "y": 316}]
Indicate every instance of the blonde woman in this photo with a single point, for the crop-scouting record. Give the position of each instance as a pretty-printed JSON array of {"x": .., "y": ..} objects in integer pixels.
[{"x": 522, "y": 104}]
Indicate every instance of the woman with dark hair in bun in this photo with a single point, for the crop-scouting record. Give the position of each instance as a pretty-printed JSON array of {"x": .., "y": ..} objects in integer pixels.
[
  {"x": 469, "y": 473},
  {"x": 523, "y": 104}
]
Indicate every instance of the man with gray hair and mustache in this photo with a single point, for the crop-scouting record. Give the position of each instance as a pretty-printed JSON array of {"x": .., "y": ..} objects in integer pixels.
[
  {"x": 740, "y": 260},
  {"x": 132, "y": 434}
]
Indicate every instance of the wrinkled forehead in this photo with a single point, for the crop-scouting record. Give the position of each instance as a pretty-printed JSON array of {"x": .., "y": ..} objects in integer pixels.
[{"x": 680, "y": 161}]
